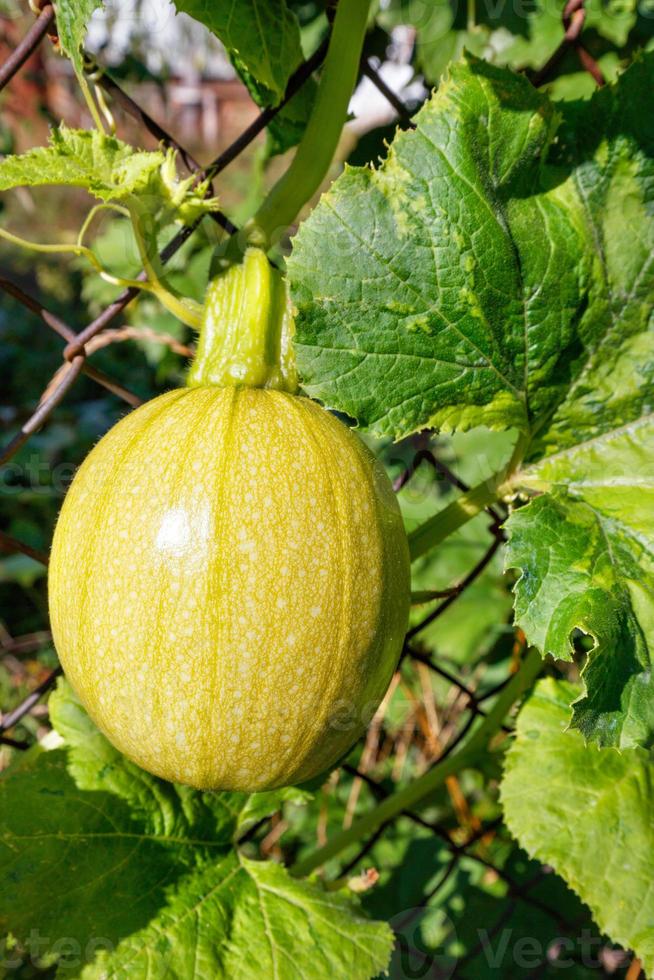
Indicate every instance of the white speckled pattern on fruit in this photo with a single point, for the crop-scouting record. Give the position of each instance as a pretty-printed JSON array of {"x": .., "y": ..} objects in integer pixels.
[{"x": 229, "y": 587}]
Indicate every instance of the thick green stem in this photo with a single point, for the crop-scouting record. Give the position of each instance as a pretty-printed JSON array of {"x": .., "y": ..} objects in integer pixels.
[
  {"x": 316, "y": 151},
  {"x": 452, "y": 517},
  {"x": 420, "y": 788},
  {"x": 245, "y": 336}
]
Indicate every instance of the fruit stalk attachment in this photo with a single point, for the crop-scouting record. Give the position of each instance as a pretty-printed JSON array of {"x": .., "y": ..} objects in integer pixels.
[{"x": 246, "y": 328}]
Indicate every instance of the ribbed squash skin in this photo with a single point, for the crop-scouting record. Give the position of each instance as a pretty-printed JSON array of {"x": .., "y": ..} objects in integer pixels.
[{"x": 229, "y": 587}]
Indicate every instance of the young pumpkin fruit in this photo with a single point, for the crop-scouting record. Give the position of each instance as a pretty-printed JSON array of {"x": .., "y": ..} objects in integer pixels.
[{"x": 229, "y": 581}]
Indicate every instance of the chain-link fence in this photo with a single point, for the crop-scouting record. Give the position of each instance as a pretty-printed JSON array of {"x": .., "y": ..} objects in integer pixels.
[{"x": 78, "y": 346}]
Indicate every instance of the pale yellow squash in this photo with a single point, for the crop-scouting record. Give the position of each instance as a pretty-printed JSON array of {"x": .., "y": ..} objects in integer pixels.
[{"x": 229, "y": 587}]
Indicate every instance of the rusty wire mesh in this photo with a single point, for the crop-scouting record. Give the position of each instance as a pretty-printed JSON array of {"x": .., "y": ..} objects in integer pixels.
[{"x": 80, "y": 345}]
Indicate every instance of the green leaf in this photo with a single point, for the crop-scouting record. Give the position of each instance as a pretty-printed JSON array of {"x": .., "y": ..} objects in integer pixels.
[
  {"x": 504, "y": 34},
  {"x": 612, "y": 19},
  {"x": 584, "y": 568},
  {"x": 110, "y": 170},
  {"x": 609, "y": 147},
  {"x": 286, "y": 128},
  {"x": 477, "y": 276},
  {"x": 442, "y": 289},
  {"x": 553, "y": 784},
  {"x": 96, "y": 766},
  {"x": 143, "y": 878},
  {"x": 262, "y": 37},
  {"x": 73, "y": 17},
  {"x": 249, "y": 919},
  {"x": 105, "y": 166},
  {"x": 21, "y": 569},
  {"x": 576, "y": 84},
  {"x": 587, "y": 552}
]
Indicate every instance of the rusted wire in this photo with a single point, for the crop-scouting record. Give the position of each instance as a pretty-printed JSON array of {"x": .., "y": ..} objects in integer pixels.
[
  {"x": 118, "y": 335},
  {"x": 75, "y": 352},
  {"x": 14, "y": 546},
  {"x": 426, "y": 455},
  {"x": 573, "y": 21},
  {"x": 473, "y": 574},
  {"x": 45, "y": 408},
  {"x": 574, "y": 17},
  {"x": 297, "y": 80},
  {"x": 11, "y": 719},
  {"x": 133, "y": 109},
  {"x": 295, "y": 83},
  {"x": 394, "y": 100},
  {"x": 27, "y": 46},
  {"x": 67, "y": 333},
  {"x": 14, "y": 743},
  {"x": 516, "y": 889},
  {"x": 474, "y": 701},
  {"x": 19, "y": 645}
]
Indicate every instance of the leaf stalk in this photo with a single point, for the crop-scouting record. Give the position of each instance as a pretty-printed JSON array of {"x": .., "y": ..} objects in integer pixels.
[{"x": 434, "y": 530}]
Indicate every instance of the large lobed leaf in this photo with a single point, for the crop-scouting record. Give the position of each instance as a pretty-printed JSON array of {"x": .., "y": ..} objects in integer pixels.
[
  {"x": 504, "y": 33},
  {"x": 587, "y": 813},
  {"x": 451, "y": 293},
  {"x": 586, "y": 553},
  {"x": 498, "y": 269},
  {"x": 143, "y": 878},
  {"x": 590, "y": 567},
  {"x": 464, "y": 285}
]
